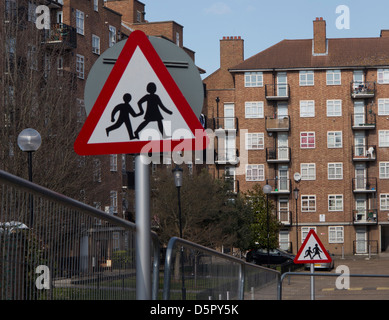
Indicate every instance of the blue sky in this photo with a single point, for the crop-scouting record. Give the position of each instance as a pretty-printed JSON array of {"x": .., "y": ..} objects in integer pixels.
[{"x": 263, "y": 23}]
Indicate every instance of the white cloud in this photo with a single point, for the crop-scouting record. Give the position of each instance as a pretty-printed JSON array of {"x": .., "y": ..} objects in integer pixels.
[{"x": 219, "y": 8}]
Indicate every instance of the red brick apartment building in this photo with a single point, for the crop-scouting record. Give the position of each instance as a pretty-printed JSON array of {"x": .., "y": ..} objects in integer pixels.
[
  {"x": 80, "y": 30},
  {"x": 318, "y": 107}
]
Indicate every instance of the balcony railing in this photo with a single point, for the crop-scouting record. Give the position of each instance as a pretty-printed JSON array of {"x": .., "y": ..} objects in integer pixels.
[
  {"x": 363, "y": 121},
  {"x": 278, "y": 124},
  {"x": 285, "y": 217},
  {"x": 364, "y": 152},
  {"x": 365, "y": 216},
  {"x": 277, "y": 91},
  {"x": 364, "y": 185},
  {"x": 226, "y": 123},
  {"x": 280, "y": 185},
  {"x": 278, "y": 155},
  {"x": 227, "y": 156},
  {"x": 361, "y": 90},
  {"x": 61, "y": 33}
]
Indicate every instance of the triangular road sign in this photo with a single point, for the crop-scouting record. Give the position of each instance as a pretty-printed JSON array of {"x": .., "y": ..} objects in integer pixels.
[
  {"x": 312, "y": 250},
  {"x": 140, "y": 108}
]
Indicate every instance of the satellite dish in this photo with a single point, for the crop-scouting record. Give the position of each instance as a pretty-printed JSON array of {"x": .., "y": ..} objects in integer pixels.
[{"x": 297, "y": 177}]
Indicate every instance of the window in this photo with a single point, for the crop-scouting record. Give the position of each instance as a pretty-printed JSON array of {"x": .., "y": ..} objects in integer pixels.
[
  {"x": 254, "y": 141},
  {"x": 32, "y": 12},
  {"x": 308, "y": 171},
  {"x": 383, "y": 107},
  {"x": 114, "y": 202},
  {"x": 335, "y": 202},
  {"x": 335, "y": 171},
  {"x": 254, "y": 109},
  {"x": 253, "y": 79},
  {"x": 334, "y": 139},
  {"x": 112, "y": 36},
  {"x": 383, "y": 138},
  {"x": 95, "y": 44},
  {"x": 307, "y": 108},
  {"x": 96, "y": 5},
  {"x": 333, "y": 77},
  {"x": 96, "y": 170},
  {"x": 334, "y": 108},
  {"x": 113, "y": 162},
  {"x": 80, "y": 21},
  {"x": 308, "y": 203},
  {"x": 32, "y": 57},
  {"x": 306, "y": 78},
  {"x": 307, "y": 140},
  {"x": 384, "y": 170},
  {"x": 115, "y": 241},
  {"x": 336, "y": 234},
  {"x": 305, "y": 231},
  {"x": 384, "y": 201},
  {"x": 80, "y": 67},
  {"x": 383, "y": 76},
  {"x": 255, "y": 172}
]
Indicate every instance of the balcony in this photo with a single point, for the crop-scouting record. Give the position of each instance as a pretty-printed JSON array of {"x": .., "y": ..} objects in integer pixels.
[
  {"x": 227, "y": 156},
  {"x": 281, "y": 186},
  {"x": 285, "y": 217},
  {"x": 362, "y": 90},
  {"x": 277, "y": 92},
  {"x": 277, "y": 124},
  {"x": 364, "y": 185},
  {"x": 225, "y": 123},
  {"x": 363, "y": 121},
  {"x": 278, "y": 155},
  {"x": 365, "y": 217},
  {"x": 364, "y": 153},
  {"x": 61, "y": 34}
]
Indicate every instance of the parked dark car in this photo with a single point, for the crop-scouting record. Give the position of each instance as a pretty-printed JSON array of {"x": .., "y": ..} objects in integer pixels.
[{"x": 276, "y": 256}]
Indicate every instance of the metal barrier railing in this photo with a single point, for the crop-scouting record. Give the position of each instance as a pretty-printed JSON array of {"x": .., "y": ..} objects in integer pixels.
[
  {"x": 194, "y": 272},
  {"x": 54, "y": 247}
]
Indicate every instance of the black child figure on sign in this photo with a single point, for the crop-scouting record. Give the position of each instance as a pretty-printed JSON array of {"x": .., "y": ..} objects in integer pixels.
[
  {"x": 125, "y": 110},
  {"x": 152, "y": 113}
]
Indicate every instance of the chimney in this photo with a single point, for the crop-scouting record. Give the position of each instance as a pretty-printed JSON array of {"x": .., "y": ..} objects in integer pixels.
[
  {"x": 231, "y": 52},
  {"x": 319, "y": 36},
  {"x": 384, "y": 33}
]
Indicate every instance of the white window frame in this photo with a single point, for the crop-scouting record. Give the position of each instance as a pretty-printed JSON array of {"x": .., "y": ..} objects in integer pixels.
[
  {"x": 338, "y": 171},
  {"x": 255, "y": 141},
  {"x": 383, "y": 107},
  {"x": 335, "y": 234},
  {"x": 383, "y": 138},
  {"x": 334, "y": 77},
  {"x": 305, "y": 231},
  {"x": 384, "y": 170},
  {"x": 113, "y": 195},
  {"x": 308, "y": 171},
  {"x": 95, "y": 44},
  {"x": 80, "y": 66},
  {"x": 335, "y": 202},
  {"x": 253, "y": 109},
  {"x": 113, "y": 163},
  {"x": 96, "y": 5},
  {"x": 307, "y": 108},
  {"x": 306, "y": 200},
  {"x": 307, "y": 145},
  {"x": 112, "y": 36},
  {"x": 334, "y": 108},
  {"x": 253, "y": 79},
  {"x": 383, "y": 76},
  {"x": 80, "y": 22},
  {"x": 307, "y": 78},
  {"x": 255, "y": 172},
  {"x": 334, "y": 139},
  {"x": 384, "y": 201}
]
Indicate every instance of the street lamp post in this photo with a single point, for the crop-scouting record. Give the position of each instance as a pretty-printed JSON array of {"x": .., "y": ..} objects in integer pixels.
[
  {"x": 177, "y": 172},
  {"x": 29, "y": 140},
  {"x": 266, "y": 190},
  {"x": 296, "y": 196}
]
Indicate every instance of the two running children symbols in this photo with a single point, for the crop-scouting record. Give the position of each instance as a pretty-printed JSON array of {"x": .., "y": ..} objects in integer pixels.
[{"x": 152, "y": 113}]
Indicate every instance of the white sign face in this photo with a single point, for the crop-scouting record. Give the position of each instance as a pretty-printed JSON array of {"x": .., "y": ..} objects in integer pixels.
[
  {"x": 312, "y": 250},
  {"x": 135, "y": 91}
]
